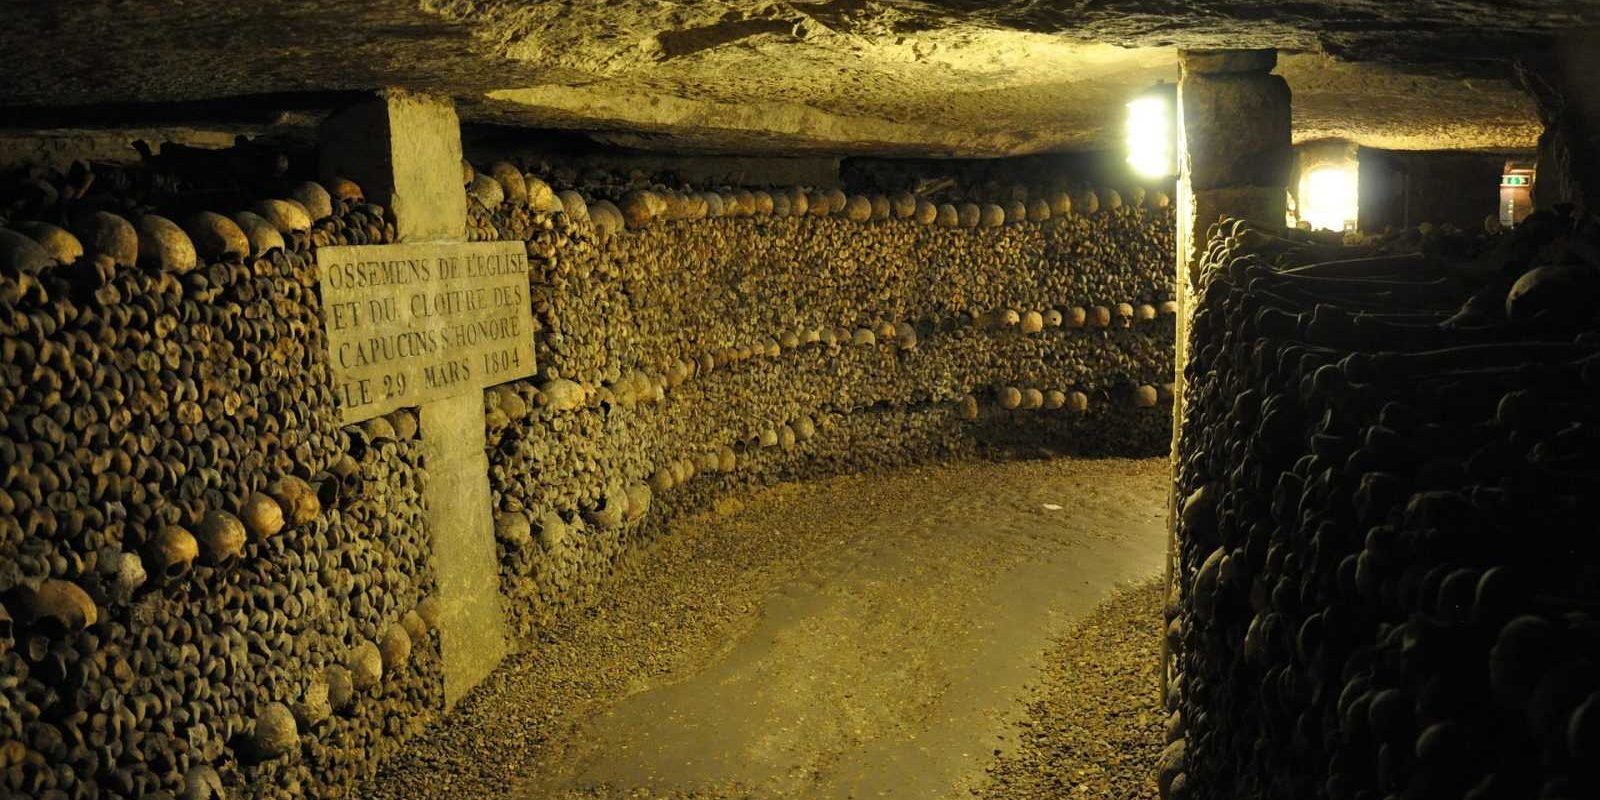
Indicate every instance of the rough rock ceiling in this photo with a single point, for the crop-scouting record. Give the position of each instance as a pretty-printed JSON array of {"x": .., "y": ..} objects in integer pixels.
[{"x": 960, "y": 77}]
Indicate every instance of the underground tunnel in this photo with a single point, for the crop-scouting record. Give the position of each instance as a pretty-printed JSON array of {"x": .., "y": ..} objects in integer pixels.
[{"x": 841, "y": 399}]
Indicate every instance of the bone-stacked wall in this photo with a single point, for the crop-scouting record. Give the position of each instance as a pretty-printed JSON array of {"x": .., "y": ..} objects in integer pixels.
[
  {"x": 684, "y": 351},
  {"x": 204, "y": 579},
  {"x": 210, "y": 588},
  {"x": 1387, "y": 585}
]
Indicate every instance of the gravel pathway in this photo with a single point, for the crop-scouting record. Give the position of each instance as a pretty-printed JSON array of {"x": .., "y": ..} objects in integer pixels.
[
  {"x": 1094, "y": 726},
  {"x": 863, "y": 636}
]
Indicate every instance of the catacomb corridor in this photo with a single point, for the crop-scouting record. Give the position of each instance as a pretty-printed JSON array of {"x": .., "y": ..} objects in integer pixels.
[{"x": 813, "y": 400}]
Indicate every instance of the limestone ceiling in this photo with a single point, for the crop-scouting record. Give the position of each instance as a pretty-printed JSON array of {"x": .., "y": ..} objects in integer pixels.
[{"x": 958, "y": 77}]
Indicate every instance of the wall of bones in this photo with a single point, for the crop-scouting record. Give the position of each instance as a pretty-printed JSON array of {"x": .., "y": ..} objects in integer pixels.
[
  {"x": 204, "y": 579},
  {"x": 690, "y": 342},
  {"x": 210, "y": 588},
  {"x": 1387, "y": 584}
]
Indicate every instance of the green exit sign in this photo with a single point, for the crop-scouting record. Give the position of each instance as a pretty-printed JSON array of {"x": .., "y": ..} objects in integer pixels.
[{"x": 1515, "y": 180}]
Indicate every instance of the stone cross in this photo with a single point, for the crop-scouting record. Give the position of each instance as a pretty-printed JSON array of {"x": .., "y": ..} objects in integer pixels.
[{"x": 429, "y": 321}]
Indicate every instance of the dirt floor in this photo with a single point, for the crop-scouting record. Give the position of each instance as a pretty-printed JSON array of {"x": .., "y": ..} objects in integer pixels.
[{"x": 929, "y": 633}]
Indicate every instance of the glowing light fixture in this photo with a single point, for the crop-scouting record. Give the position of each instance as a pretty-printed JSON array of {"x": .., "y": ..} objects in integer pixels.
[
  {"x": 1152, "y": 132},
  {"x": 1329, "y": 195}
]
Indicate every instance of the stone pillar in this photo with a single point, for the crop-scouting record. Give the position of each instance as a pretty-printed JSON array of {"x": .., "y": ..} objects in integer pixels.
[
  {"x": 1235, "y": 153},
  {"x": 1234, "y": 146},
  {"x": 405, "y": 152}
]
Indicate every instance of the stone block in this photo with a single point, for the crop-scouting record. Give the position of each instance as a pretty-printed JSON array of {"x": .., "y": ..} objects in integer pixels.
[
  {"x": 1236, "y": 130},
  {"x": 404, "y": 150},
  {"x": 1216, "y": 62}
]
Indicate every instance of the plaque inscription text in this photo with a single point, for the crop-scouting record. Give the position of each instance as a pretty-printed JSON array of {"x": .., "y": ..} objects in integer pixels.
[{"x": 409, "y": 323}]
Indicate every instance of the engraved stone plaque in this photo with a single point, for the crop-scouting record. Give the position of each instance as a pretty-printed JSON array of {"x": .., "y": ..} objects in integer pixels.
[{"x": 409, "y": 323}]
